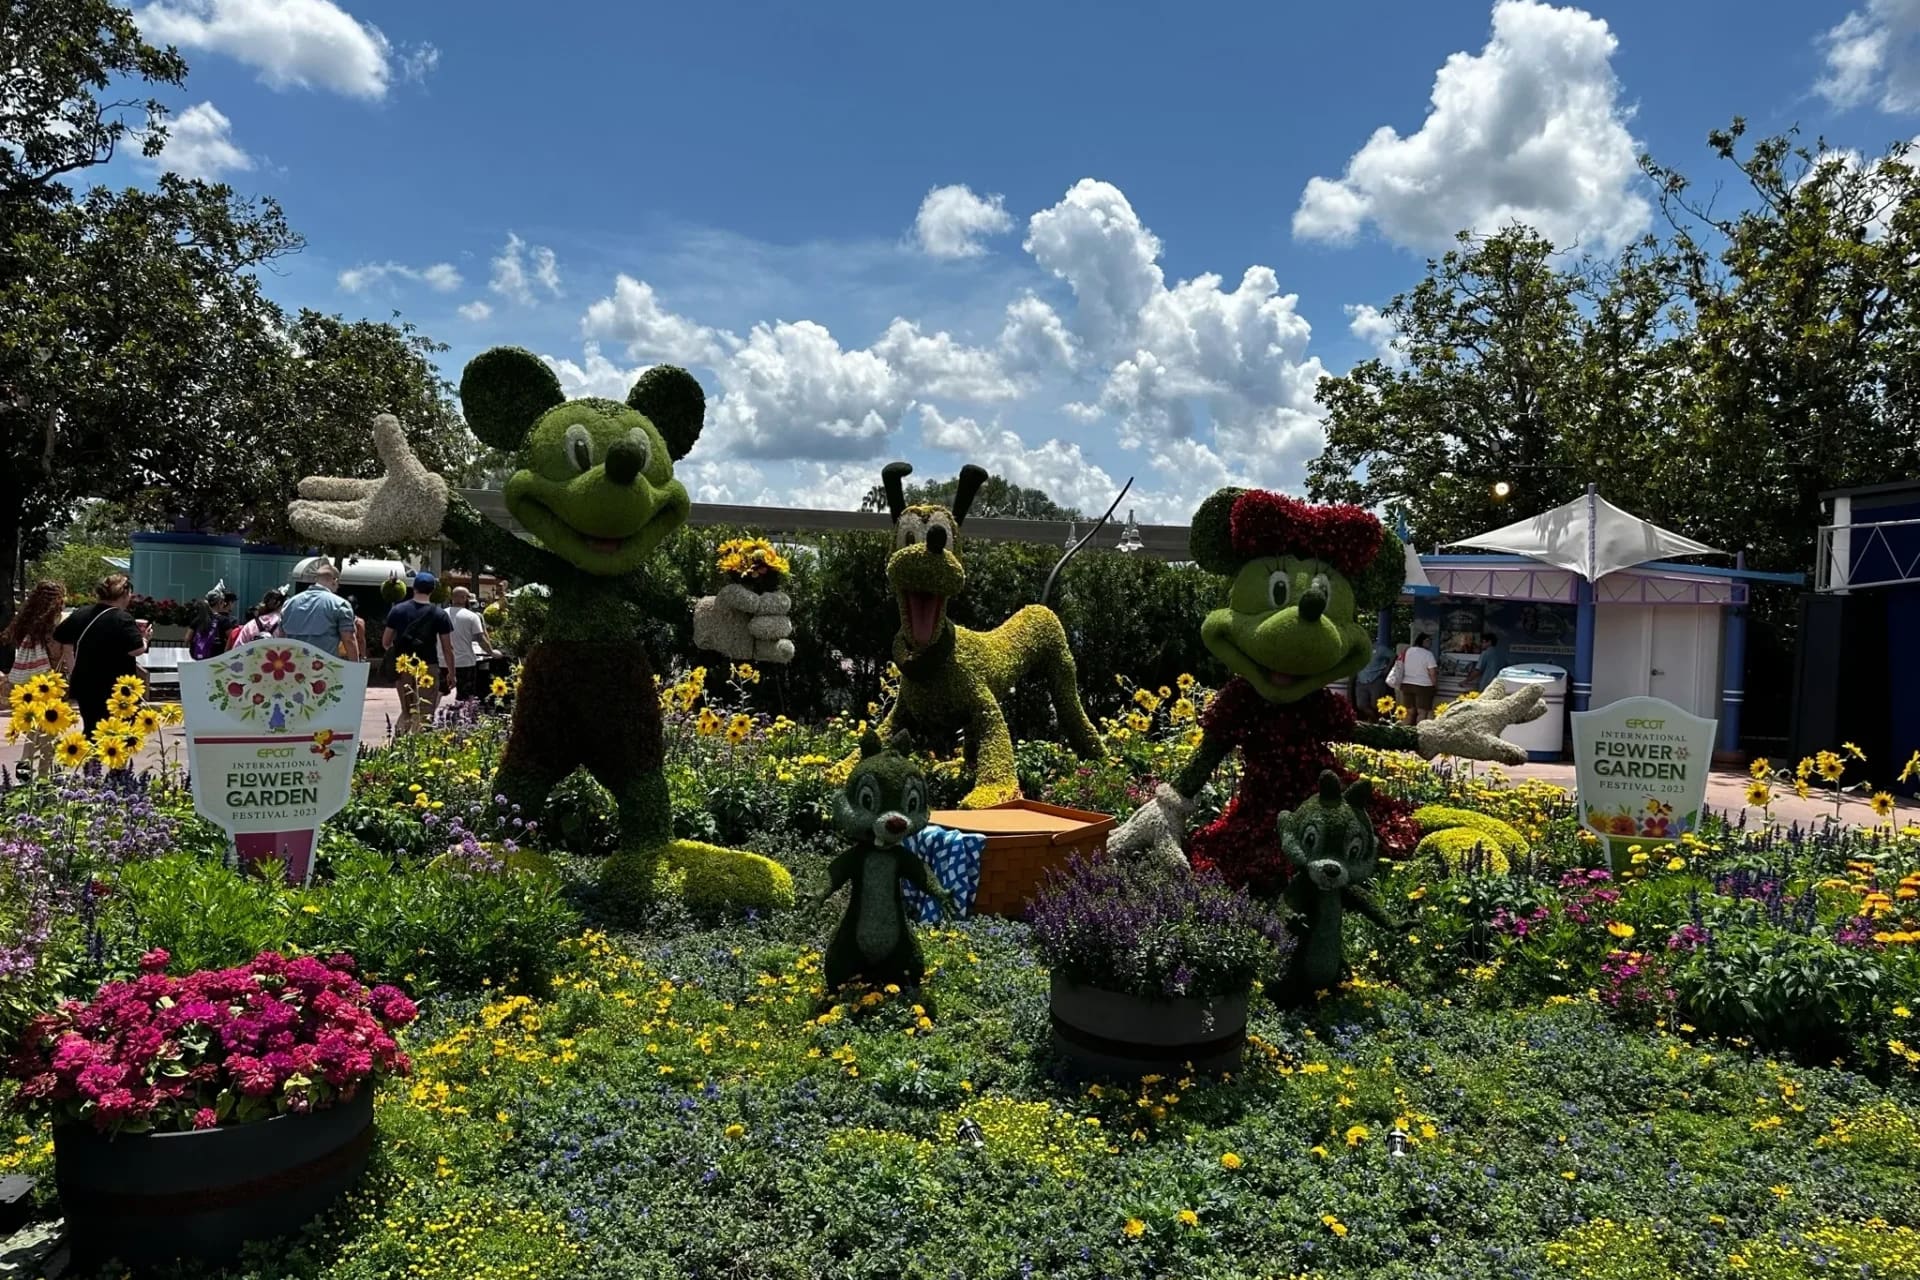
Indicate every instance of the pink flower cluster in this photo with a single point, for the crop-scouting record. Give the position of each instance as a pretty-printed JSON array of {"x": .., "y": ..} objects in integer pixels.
[{"x": 220, "y": 1046}]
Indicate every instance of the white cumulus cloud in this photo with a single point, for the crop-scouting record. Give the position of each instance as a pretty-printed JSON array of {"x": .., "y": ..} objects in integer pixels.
[
  {"x": 1225, "y": 369},
  {"x": 632, "y": 314},
  {"x": 291, "y": 43},
  {"x": 953, "y": 220},
  {"x": 1377, "y": 330},
  {"x": 1873, "y": 54},
  {"x": 520, "y": 267},
  {"x": 476, "y": 311},
  {"x": 1056, "y": 467},
  {"x": 594, "y": 374},
  {"x": 200, "y": 145},
  {"x": 441, "y": 277},
  {"x": 939, "y": 365},
  {"x": 1530, "y": 129},
  {"x": 791, "y": 391}
]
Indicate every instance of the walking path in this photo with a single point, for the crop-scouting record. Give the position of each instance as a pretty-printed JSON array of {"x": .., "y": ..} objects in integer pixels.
[{"x": 1726, "y": 790}]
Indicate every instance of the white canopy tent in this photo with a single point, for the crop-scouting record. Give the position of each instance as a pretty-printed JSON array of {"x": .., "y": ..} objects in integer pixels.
[{"x": 1588, "y": 536}]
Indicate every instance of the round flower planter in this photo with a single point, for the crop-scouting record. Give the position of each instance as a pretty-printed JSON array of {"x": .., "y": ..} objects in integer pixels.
[
  {"x": 1107, "y": 1033},
  {"x": 148, "y": 1198}
]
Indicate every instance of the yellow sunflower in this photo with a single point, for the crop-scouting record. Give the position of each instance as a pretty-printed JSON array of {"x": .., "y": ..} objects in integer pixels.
[
  {"x": 147, "y": 720},
  {"x": 112, "y": 753},
  {"x": 708, "y": 724},
  {"x": 1760, "y": 769},
  {"x": 423, "y": 682},
  {"x": 47, "y": 685},
  {"x": 738, "y": 728},
  {"x": 52, "y": 718},
  {"x": 122, "y": 708},
  {"x": 499, "y": 687},
  {"x": 130, "y": 687},
  {"x": 1882, "y": 804},
  {"x": 1853, "y": 751},
  {"x": 1759, "y": 795},
  {"x": 73, "y": 750}
]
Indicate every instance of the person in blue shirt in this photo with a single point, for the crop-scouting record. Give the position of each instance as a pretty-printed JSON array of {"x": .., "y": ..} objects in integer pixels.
[
  {"x": 322, "y": 617},
  {"x": 1490, "y": 660},
  {"x": 1371, "y": 684}
]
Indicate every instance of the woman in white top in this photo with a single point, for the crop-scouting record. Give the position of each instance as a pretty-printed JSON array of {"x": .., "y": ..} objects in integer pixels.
[
  {"x": 35, "y": 652},
  {"x": 1419, "y": 673}
]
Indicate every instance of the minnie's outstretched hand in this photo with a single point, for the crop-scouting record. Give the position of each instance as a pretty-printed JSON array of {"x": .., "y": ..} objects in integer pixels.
[{"x": 1471, "y": 730}]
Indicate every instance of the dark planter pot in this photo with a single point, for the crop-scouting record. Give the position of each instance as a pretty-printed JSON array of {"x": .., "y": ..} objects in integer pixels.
[
  {"x": 1105, "y": 1033},
  {"x": 146, "y": 1199}
]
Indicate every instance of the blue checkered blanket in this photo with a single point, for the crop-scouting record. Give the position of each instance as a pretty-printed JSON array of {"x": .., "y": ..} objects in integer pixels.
[{"x": 954, "y": 859}]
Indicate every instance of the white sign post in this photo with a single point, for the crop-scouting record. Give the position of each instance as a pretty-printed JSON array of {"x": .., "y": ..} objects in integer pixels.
[
  {"x": 1641, "y": 767},
  {"x": 272, "y": 730}
]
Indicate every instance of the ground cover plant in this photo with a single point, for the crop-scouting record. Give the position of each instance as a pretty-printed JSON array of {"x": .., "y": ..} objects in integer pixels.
[{"x": 1703, "y": 1066}]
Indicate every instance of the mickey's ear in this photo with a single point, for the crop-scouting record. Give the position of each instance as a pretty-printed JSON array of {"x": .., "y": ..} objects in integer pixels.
[
  {"x": 503, "y": 392},
  {"x": 870, "y": 744},
  {"x": 1360, "y": 794},
  {"x": 1210, "y": 533},
  {"x": 673, "y": 402}
]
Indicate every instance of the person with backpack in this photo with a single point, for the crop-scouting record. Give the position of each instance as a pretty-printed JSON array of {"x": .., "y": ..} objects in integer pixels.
[
  {"x": 420, "y": 630},
  {"x": 264, "y": 623},
  {"x": 321, "y": 616},
  {"x": 213, "y": 625}
]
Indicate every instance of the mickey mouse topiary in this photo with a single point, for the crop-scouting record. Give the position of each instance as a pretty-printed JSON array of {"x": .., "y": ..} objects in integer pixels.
[
  {"x": 1299, "y": 574},
  {"x": 595, "y": 485}
]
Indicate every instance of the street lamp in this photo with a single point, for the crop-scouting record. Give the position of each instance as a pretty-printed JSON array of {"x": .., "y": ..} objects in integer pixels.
[
  {"x": 1501, "y": 489},
  {"x": 1130, "y": 534}
]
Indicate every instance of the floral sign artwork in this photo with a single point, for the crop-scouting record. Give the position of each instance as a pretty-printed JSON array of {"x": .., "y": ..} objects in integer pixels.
[
  {"x": 279, "y": 685},
  {"x": 1641, "y": 766}
]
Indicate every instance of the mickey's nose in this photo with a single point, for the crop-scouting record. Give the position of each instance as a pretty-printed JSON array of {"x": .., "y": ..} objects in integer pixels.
[
  {"x": 936, "y": 539},
  {"x": 624, "y": 461}
]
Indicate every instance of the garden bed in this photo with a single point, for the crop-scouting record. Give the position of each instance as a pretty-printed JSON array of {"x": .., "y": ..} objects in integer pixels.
[{"x": 1705, "y": 1067}]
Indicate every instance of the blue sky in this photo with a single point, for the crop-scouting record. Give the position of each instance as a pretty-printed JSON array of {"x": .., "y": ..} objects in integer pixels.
[{"x": 974, "y": 233}]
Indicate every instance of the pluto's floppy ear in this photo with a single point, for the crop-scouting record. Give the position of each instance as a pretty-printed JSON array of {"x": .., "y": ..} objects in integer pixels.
[
  {"x": 965, "y": 489},
  {"x": 671, "y": 399},
  {"x": 870, "y": 744},
  {"x": 503, "y": 392},
  {"x": 891, "y": 476}
]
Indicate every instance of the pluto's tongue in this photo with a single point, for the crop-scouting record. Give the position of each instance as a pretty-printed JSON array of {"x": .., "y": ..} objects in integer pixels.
[{"x": 923, "y": 615}]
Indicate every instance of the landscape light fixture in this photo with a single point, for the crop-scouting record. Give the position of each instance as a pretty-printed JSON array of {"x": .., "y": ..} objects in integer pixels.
[
  {"x": 968, "y": 1132},
  {"x": 1072, "y": 537},
  {"x": 1130, "y": 534},
  {"x": 1399, "y": 1142},
  {"x": 1501, "y": 488}
]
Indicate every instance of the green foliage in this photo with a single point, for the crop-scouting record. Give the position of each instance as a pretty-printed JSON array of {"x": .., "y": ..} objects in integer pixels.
[
  {"x": 672, "y": 400},
  {"x": 1210, "y": 533},
  {"x": 581, "y": 815},
  {"x": 1785, "y": 990},
  {"x": 77, "y": 566},
  {"x": 503, "y": 392}
]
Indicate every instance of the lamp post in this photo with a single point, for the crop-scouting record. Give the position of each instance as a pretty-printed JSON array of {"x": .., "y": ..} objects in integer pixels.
[{"x": 1130, "y": 535}]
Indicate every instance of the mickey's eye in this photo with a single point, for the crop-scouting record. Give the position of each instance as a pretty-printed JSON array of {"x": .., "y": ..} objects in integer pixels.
[
  {"x": 579, "y": 446},
  {"x": 642, "y": 441},
  {"x": 909, "y": 531},
  {"x": 867, "y": 797},
  {"x": 1279, "y": 588},
  {"x": 914, "y": 796}
]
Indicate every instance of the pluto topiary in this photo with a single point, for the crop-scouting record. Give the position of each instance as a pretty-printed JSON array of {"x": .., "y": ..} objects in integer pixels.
[
  {"x": 594, "y": 484},
  {"x": 952, "y": 679},
  {"x": 1299, "y": 575}
]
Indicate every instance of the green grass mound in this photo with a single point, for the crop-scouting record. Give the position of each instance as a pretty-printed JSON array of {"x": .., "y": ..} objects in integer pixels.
[
  {"x": 706, "y": 876},
  {"x": 1451, "y": 835}
]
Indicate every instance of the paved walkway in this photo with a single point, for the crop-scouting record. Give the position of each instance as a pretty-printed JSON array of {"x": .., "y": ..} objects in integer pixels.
[{"x": 1726, "y": 791}]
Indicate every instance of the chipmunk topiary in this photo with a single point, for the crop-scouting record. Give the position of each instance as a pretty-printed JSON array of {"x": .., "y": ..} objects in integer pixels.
[
  {"x": 1298, "y": 575},
  {"x": 952, "y": 679},
  {"x": 883, "y": 804},
  {"x": 1329, "y": 843},
  {"x": 595, "y": 485}
]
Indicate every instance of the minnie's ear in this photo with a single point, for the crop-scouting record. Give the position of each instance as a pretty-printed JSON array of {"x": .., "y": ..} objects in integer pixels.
[
  {"x": 1210, "y": 534},
  {"x": 870, "y": 744},
  {"x": 671, "y": 399},
  {"x": 503, "y": 392}
]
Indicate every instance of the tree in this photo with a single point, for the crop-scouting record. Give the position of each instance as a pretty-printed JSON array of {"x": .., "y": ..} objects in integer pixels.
[
  {"x": 1804, "y": 361},
  {"x": 56, "y": 56},
  {"x": 1508, "y": 370}
]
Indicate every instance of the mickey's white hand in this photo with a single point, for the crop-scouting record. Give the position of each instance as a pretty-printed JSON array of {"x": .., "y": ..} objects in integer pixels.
[
  {"x": 406, "y": 504},
  {"x": 1154, "y": 830},
  {"x": 1471, "y": 730}
]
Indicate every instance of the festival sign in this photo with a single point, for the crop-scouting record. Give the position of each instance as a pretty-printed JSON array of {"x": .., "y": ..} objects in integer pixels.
[
  {"x": 1641, "y": 767},
  {"x": 272, "y": 733}
]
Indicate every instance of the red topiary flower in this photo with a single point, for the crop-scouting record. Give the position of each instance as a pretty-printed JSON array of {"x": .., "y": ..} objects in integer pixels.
[{"x": 1272, "y": 524}]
